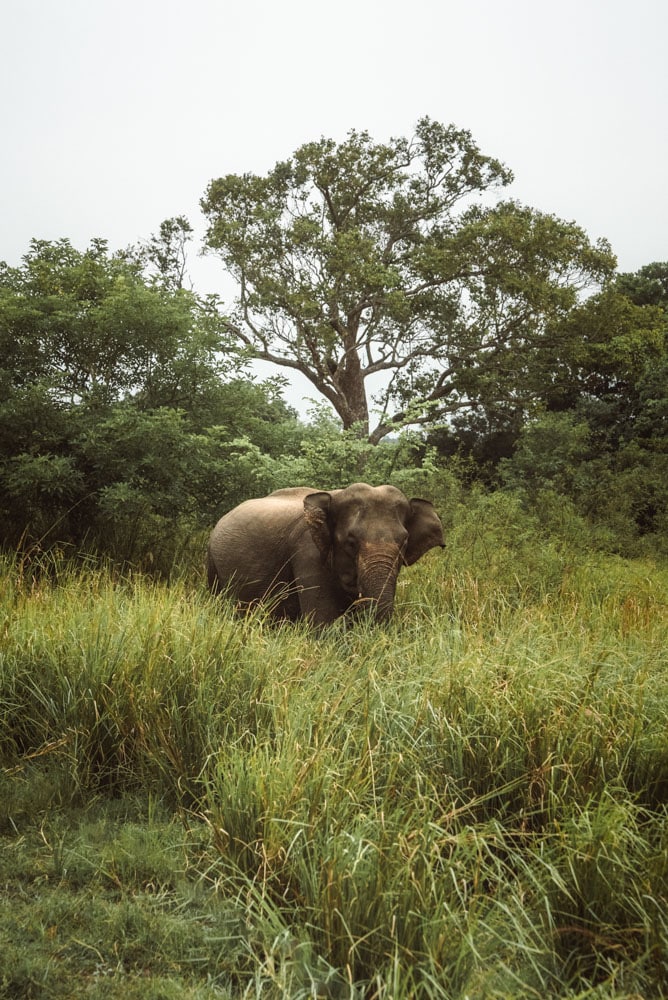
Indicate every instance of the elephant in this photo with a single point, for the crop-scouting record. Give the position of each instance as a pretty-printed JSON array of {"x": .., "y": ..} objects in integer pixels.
[{"x": 315, "y": 554}]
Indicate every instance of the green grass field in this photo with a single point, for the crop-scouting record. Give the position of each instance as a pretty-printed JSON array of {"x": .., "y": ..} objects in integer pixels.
[{"x": 471, "y": 802}]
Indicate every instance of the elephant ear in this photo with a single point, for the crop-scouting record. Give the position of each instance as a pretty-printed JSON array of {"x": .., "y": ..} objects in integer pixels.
[
  {"x": 316, "y": 515},
  {"x": 425, "y": 530}
]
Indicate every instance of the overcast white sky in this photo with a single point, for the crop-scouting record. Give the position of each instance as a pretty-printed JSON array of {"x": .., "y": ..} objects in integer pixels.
[{"x": 115, "y": 114}]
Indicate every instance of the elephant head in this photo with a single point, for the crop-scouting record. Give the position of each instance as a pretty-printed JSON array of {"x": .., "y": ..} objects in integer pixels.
[{"x": 366, "y": 534}]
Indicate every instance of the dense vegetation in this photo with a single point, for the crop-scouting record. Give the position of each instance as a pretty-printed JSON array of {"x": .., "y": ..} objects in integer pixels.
[
  {"x": 471, "y": 802},
  {"x": 128, "y": 419}
]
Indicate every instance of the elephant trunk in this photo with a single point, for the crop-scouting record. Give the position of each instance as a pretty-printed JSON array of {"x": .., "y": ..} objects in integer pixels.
[{"x": 378, "y": 569}]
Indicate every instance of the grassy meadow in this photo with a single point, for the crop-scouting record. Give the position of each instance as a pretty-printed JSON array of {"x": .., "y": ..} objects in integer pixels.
[{"x": 470, "y": 802}]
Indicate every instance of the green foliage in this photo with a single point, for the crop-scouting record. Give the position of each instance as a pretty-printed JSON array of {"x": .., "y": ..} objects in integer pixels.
[
  {"x": 120, "y": 426},
  {"x": 612, "y": 341},
  {"x": 165, "y": 255},
  {"x": 361, "y": 259},
  {"x": 548, "y": 455},
  {"x": 127, "y": 426},
  {"x": 87, "y": 327},
  {"x": 598, "y": 437},
  {"x": 470, "y": 802},
  {"x": 610, "y": 464},
  {"x": 648, "y": 286},
  {"x": 329, "y": 458}
]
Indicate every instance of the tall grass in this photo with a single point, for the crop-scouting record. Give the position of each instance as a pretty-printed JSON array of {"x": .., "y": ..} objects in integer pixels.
[{"x": 470, "y": 802}]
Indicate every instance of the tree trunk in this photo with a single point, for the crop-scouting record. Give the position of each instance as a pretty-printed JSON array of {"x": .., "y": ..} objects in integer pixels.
[{"x": 349, "y": 381}]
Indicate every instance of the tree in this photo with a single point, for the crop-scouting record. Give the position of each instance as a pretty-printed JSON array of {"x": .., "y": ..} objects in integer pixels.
[
  {"x": 164, "y": 256},
  {"x": 648, "y": 286},
  {"x": 120, "y": 422},
  {"x": 87, "y": 327},
  {"x": 603, "y": 439},
  {"x": 617, "y": 342},
  {"x": 362, "y": 261}
]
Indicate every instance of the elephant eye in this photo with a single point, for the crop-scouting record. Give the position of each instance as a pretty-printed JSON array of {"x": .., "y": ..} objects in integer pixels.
[{"x": 350, "y": 544}]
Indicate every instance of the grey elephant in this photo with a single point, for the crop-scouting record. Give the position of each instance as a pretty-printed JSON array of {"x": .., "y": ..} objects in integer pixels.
[{"x": 316, "y": 553}]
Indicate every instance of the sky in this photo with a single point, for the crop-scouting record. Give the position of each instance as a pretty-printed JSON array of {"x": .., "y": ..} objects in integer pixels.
[{"x": 116, "y": 114}]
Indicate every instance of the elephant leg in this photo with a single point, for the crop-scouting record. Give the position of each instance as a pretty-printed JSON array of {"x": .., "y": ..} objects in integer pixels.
[{"x": 321, "y": 598}]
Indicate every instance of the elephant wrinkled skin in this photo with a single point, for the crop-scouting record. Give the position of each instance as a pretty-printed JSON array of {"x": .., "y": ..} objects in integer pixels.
[{"x": 315, "y": 553}]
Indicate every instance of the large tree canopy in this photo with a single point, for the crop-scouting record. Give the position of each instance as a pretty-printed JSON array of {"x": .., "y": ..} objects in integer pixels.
[{"x": 359, "y": 260}]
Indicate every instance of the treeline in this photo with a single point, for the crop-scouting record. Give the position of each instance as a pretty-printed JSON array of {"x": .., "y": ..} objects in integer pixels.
[
  {"x": 128, "y": 421},
  {"x": 125, "y": 422}
]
